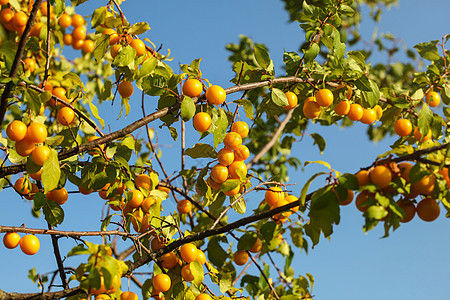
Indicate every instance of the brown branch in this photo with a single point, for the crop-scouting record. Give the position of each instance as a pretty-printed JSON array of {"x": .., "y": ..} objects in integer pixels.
[
  {"x": 264, "y": 275},
  {"x": 62, "y": 233},
  {"x": 272, "y": 141},
  {"x": 42, "y": 296},
  {"x": 16, "y": 63},
  {"x": 47, "y": 62},
  {"x": 59, "y": 262},
  {"x": 122, "y": 15}
]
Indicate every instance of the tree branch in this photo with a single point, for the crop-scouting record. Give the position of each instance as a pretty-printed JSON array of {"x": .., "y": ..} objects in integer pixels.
[
  {"x": 272, "y": 141},
  {"x": 17, "y": 59},
  {"x": 62, "y": 233}
]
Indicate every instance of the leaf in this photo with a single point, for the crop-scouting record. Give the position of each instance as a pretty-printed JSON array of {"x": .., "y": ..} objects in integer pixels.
[
  {"x": 225, "y": 283},
  {"x": 78, "y": 250},
  {"x": 94, "y": 111},
  {"x": 347, "y": 10},
  {"x": 319, "y": 141},
  {"x": 323, "y": 213},
  {"x": 125, "y": 58},
  {"x": 216, "y": 254},
  {"x": 219, "y": 127},
  {"x": 39, "y": 201},
  {"x": 101, "y": 47},
  {"x": 425, "y": 118},
  {"x": 338, "y": 46},
  {"x": 268, "y": 231},
  {"x": 51, "y": 172},
  {"x": 247, "y": 241},
  {"x": 53, "y": 212},
  {"x": 139, "y": 28},
  {"x": 417, "y": 95},
  {"x": 262, "y": 57},
  {"x": 75, "y": 80},
  {"x": 148, "y": 67},
  {"x": 305, "y": 188},
  {"x": 312, "y": 52},
  {"x": 363, "y": 84},
  {"x": 358, "y": 57},
  {"x": 197, "y": 271},
  {"x": 297, "y": 236},
  {"x": 349, "y": 181},
  {"x": 320, "y": 162},
  {"x": 105, "y": 223},
  {"x": 248, "y": 107},
  {"x": 240, "y": 206},
  {"x": 376, "y": 212},
  {"x": 201, "y": 150},
  {"x": 60, "y": 6},
  {"x": 155, "y": 85},
  {"x": 98, "y": 17},
  {"x": 187, "y": 108},
  {"x": 279, "y": 98},
  {"x": 429, "y": 51}
]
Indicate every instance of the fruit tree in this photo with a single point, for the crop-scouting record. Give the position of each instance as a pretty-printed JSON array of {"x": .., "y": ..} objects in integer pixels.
[{"x": 188, "y": 186}]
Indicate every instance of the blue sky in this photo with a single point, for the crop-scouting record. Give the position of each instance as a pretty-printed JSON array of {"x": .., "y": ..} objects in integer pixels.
[{"x": 410, "y": 264}]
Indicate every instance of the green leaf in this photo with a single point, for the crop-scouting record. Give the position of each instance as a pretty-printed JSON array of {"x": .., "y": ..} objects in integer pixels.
[
  {"x": 98, "y": 17},
  {"x": 75, "y": 80},
  {"x": 425, "y": 119},
  {"x": 94, "y": 111},
  {"x": 279, "y": 98},
  {"x": 148, "y": 67},
  {"x": 197, "y": 271},
  {"x": 139, "y": 28},
  {"x": 312, "y": 52},
  {"x": 323, "y": 213},
  {"x": 187, "y": 108},
  {"x": 376, "y": 212},
  {"x": 338, "y": 46},
  {"x": 105, "y": 223},
  {"x": 216, "y": 254},
  {"x": 53, "y": 212},
  {"x": 60, "y": 6},
  {"x": 39, "y": 201},
  {"x": 51, "y": 172},
  {"x": 101, "y": 47},
  {"x": 363, "y": 84},
  {"x": 248, "y": 107},
  {"x": 225, "y": 283},
  {"x": 429, "y": 51},
  {"x": 320, "y": 162},
  {"x": 173, "y": 133},
  {"x": 247, "y": 241},
  {"x": 125, "y": 58},
  {"x": 346, "y": 10},
  {"x": 268, "y": 230},
  {"x": 78, "y": 250},
  {"x": 319, "y": 141},
  {"x": 201, "y": 150},
  {"x": 219, "y": 127},
  {"x": 349, "y": 181},
  {"x": 240, "y": 206},
  {"x": 358, "y": 57},
  {"x": 297, "y": 236},
  {"x": 262, "y": 57},
  {"x": 305, "y": 188},
  {"x": 155, "y": 85}
]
